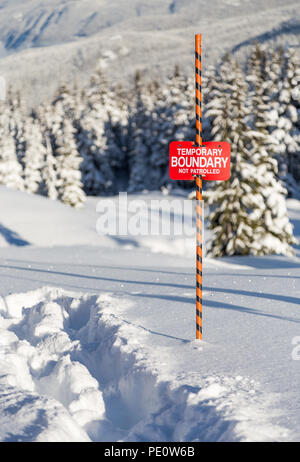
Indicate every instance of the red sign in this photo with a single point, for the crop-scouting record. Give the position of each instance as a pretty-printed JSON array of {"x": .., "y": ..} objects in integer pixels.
[{"x": 211, "y": 160}]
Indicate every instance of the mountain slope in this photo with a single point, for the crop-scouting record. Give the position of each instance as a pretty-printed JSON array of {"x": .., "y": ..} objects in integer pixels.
[{"x": 46, "y": 42}]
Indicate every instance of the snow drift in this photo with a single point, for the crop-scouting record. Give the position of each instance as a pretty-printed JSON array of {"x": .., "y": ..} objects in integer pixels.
[{"x": 72, "y": 370}]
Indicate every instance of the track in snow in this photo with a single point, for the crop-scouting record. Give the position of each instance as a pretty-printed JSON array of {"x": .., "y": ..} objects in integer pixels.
[{"x": 72, "y": 370}]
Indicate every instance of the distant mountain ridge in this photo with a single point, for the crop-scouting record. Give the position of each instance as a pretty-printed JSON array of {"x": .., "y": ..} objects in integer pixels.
[{"x": 46, "y": 42}]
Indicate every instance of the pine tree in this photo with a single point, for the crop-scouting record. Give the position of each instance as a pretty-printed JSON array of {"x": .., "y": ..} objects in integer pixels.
[
  {"x": 112, "y": 99},
  {"x": 49, "y": 174},
  {"x": 173, "y": 119},
  {"x": 68, "y": 166},
  {"x": 248, "y": 213},
  {"x": 66, "y": 97},
  {"x": 260, "y": 102},
  {"x": 140, "y": 130},
  {"x": 97, "y": 174},
  {"x": 227, "y": 112},
  {"x": 94, "y": 146},
  {"x": 17, "y": 116},
  {"x": 49, "y": 122},
  {"x": 289, "y": 120},
  {"x": 283, "y": 75},
  {"x": 159, "y": 134},
  {"x": 274, "y": 71},
  {"x": 34, "y": 156},
  {"x": 10, "y": 169},
  {"x": 208, "y": 88},
  {"x": 276, "y": 234}
]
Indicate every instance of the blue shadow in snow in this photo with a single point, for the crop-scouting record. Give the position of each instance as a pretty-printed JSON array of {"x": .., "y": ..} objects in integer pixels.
[
  {"x": 247, "y": 293},
  {"x": 268, "y": 262},
  {"x": 96, "y": 278},
  {"x": 12, "y": 237},
  {"x": 222, "y": 305}
]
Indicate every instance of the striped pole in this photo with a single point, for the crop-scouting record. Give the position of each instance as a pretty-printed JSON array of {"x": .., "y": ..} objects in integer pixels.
[{"x": 199, "y": 211}]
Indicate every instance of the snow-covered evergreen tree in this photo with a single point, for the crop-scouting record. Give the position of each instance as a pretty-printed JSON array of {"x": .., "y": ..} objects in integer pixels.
[
  {"x": 277, "y": 234},
  {"x": 34, "y": 156},
  {"x": 227, "y": 111},
  {"x": 208, "y": 87},
  {"x": 50, "y": 176},
  {"x": 274, "y": 71},
  {"x": 248, "y": 212},
  {"x": 10, "y": 168},
  {"x": 260, "y": 102},
  {"x": 112, "y": 99},
  {"x": 108, "y": 118},
  {"x": 289, "y": 112},
  {"x": 283, "y": 77},
  {"x": 96, "y": 150},
  {"x": 97, "y": 174},
  {"x": 172, "y": 119},
  {"x": 118, "y": 118},
  {"x": 17, "y": 117},
  {"x": 66, "y": 97},
  {"x": 159, "y": 115},
  {"x": 49, "y": 122},
  {"x": 68, "y": 166},
  {"x": 140, "y": 130}
]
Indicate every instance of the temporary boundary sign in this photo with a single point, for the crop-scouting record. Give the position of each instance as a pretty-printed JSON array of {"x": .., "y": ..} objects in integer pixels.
[
  {"x": 211, "y": 160},
  {"x": 190, "y": 160}
]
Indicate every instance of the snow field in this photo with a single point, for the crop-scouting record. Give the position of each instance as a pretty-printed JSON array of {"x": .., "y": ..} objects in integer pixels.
[{"x": 72, "y": 369}]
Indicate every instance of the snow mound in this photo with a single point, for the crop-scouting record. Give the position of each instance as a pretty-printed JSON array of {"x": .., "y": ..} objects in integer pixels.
[{"x": 71, "y": 369}]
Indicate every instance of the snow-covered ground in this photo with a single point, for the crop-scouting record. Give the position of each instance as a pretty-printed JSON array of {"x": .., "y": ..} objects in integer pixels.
[{"x": 97, "y": 334}]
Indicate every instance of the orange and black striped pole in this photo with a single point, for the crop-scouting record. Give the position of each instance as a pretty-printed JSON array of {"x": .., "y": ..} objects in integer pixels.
[{"x": 199, "y": 210}]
